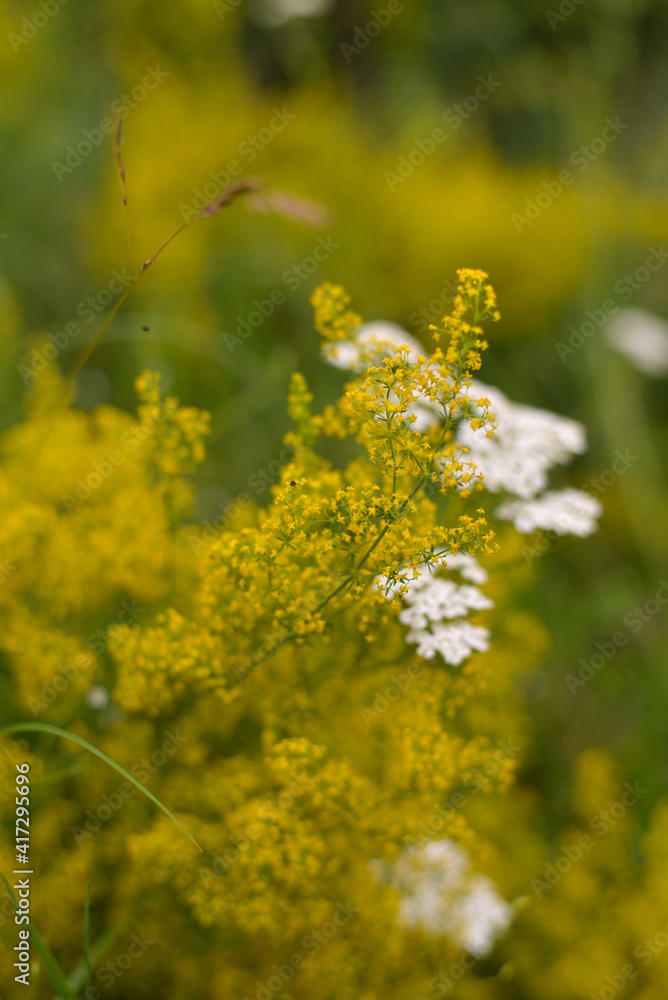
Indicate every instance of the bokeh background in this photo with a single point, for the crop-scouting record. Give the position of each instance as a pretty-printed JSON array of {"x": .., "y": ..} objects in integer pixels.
[{"x": 353, "y": 103}]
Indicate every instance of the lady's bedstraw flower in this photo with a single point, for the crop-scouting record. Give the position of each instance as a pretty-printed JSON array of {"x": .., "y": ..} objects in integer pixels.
[
  {"x": 334, "y": 320},
  {"x": 474, "y": 302},
  {"x": 329, "y": 533}
]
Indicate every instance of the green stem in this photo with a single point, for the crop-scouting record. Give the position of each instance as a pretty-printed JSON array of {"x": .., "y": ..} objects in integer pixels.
[{"x": 352, "y": 576}]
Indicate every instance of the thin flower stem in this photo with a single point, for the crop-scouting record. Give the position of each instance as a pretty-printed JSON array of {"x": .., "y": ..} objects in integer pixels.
[
  {"x": 120, "y": 166},
  {"x": 352, "y": 576},
  {"x": 213, "y": 208}
]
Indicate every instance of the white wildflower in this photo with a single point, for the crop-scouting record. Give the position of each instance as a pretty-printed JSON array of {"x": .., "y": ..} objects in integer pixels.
[
  {"x": 566, "y": 512},
  {"x": 372, "y": 342},
  {"x": 97, "y": 696},
  {"x": 440, "y": 894},
  {"x": 432, "y": 602},
  {"x": 642, "y": 338},
  {"x": 431, "y": 599},
  {"x": 468, "y": 566},
  {"x": 454, "y": 641},
  {"x": 526, "y": 444}
]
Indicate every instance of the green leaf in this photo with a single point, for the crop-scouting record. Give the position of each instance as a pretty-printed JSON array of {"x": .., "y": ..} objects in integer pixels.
[{"x": 45, "y": 727}]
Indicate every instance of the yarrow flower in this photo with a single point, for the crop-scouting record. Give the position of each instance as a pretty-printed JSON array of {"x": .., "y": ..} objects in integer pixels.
[
  {"x": 468, "y": 566},
  {"x": 432, "y": 604},
  {"x": 643, "y": 340},
  {"x": 453, "y": 642},
  {"x": 270, "y": 635},
  {"x": 440, "y": 894},
  {"x": 527, "y": 443},
  {"x": 565, "y": 512}
]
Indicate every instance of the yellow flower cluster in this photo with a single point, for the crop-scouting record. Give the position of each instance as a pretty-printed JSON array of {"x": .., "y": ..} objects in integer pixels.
[
  {"x": 263, "y": 689},
  {"x": 328, "y": 536},
  {"x": 475, "y": 301},
  {"x": 334, "y": 320}
]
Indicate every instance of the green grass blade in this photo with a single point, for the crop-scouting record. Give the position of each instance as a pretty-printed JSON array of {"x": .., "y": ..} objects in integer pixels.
[
  {"x": 54, "y": 972},
  {"x": 78, "y": 976},
  {"x": 45, "y": 727},
  {"x": 89, "y": 964}
]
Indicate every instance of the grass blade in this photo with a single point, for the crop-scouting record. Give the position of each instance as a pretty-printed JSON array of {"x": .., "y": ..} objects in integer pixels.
[
  {"x": 89, "y": 964},
  {"x": 78, "y": 976},
  {"x": 45, "y": 727}
]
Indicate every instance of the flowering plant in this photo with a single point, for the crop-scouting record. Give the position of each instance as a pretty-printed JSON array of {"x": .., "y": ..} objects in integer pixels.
[{"x": 329, "y": 668}]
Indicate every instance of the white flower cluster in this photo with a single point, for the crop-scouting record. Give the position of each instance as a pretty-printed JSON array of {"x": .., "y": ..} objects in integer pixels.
[
  {"x": 527, "y": 443},
  {"x": 454, "y": 641},
  {"x": 373, "y": 341},
  {"x": 642, "y": 338},
  {"x": 440, "y": 894},
  {"x": 515, "y": 460},
  {"x": 524, "y": 447},
  {"x": 437, "y": 607},
  {"x": 565, "y": 512},
  {"x": 432, "y": 604}
]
